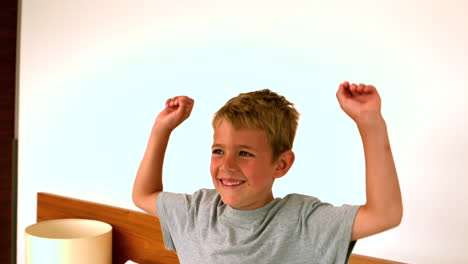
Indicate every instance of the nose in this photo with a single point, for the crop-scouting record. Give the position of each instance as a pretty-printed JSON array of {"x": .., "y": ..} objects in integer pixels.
[{"x": 229, "y": 163}]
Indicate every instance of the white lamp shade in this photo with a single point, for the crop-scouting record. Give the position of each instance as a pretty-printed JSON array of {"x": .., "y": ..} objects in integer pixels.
[{"x": 69, "y": 241}]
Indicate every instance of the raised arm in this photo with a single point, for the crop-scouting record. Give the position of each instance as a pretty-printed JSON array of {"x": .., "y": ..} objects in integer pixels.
[
  {"x": 383, "y": 208},
  {"x": 148, "y": 181}
]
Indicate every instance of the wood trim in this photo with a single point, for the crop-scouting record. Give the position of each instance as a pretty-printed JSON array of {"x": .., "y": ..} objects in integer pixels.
[
  {"x": 8, "y": 40},
  {"x": 136, "y": 236},
  {"x": 360, "y": 259}
]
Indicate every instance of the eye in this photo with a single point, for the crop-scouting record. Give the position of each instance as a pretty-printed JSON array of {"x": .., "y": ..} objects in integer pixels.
[
  {"x": 217, "y": 152},
  {"x": 245, "y": 154}
]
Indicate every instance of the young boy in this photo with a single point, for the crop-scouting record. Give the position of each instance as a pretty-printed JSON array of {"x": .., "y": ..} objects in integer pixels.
[{"x": 240, "y": 221}]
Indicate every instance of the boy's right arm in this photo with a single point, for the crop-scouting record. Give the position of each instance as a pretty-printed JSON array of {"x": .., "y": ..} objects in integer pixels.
[{"x": 148, "y": 181}]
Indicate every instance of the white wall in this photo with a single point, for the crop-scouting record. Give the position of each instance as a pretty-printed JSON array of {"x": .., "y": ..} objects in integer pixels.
[{"x": 94, "y": 74}]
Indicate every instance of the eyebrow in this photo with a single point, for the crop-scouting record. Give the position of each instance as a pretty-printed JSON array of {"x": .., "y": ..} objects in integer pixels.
[{"x": 239, "y": 146}]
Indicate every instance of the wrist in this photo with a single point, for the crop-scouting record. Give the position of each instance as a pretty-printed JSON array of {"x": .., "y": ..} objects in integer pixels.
[
  {"x": 161, "y": 130},
  {"x": 372, "y": 125},
  {"x": 369, "y": 120}
]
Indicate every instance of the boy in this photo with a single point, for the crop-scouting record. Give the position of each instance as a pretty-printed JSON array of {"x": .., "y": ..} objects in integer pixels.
[{"x": 240, "y": 221}]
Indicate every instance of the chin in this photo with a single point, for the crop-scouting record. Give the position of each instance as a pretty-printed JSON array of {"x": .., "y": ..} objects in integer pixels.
[{"x": 231, "y": 201}]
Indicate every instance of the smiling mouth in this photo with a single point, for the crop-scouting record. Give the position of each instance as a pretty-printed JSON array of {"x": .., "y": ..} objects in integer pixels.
[{"x": 230, "y": 183}]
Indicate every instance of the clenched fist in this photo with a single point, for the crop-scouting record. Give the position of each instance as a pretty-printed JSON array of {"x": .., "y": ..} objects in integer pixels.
[
  {"x": 176, "y": 111},
  {"x": 360, "y": 102}
]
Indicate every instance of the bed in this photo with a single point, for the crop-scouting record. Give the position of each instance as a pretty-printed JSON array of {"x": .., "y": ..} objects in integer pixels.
[{"x": 136, "y": 236}]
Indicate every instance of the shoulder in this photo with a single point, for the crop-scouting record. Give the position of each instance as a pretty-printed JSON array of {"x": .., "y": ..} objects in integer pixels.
[
  {"x": 296, "y": 197},
  {"x": 295, "y": 204},
  {"x": 311, "y": 206},
  {"x": 177, "y": 204},
  {"x": 199, "y": 199},
  {"x": 301, "y": 200},
  {"x": 205, "y": 196},
  {"x": 200, "y": 196}
]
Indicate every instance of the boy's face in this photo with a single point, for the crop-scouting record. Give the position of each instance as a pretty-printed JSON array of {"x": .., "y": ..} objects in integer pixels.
[{"x": 241, "y": 166}]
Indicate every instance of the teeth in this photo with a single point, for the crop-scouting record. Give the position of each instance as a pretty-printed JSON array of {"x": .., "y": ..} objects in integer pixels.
[{"x": 232, "y": 183}]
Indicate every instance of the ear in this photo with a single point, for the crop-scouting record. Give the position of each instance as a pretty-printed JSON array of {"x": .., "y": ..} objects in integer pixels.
[{"x": 284, "y": 163}]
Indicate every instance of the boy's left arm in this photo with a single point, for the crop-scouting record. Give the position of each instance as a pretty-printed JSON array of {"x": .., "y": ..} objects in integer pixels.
[{"x": 383, "y": 208}]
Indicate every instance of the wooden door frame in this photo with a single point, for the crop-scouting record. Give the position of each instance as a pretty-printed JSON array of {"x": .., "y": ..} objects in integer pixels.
[{"x": 8, "y": 132}]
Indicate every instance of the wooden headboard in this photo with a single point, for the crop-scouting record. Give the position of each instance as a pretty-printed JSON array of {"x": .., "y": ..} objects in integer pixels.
[{"x": 136, "y": 236}]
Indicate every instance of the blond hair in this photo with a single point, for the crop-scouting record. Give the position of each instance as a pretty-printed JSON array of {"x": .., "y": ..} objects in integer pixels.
[{"x": 265, "y": 110}]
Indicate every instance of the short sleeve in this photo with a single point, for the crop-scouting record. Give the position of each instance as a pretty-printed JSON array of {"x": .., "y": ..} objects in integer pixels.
[
  {"x": 332, "y": 227},
  {"x": 180, "y": 213},
  {"x": 172, "y": 210}
]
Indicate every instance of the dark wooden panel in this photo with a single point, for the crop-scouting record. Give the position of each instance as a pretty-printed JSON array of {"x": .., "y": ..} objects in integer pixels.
[
  {"x": 136, "y": 236},
  {"x": 8, "y": 29}
]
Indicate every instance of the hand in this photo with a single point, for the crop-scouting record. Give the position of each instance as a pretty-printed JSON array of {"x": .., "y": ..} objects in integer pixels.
[
  {"x": 176, "y": 111},
  {"x": 360, "y": 102}
]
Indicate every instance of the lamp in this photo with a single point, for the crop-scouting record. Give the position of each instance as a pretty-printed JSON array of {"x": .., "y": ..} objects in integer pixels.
[{"x": 69, "y": 241}]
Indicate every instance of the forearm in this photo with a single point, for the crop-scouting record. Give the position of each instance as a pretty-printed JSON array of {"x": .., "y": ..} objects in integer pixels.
[
  {"x": 383, "y": 196},
  {"x": 149, "y": 175}
]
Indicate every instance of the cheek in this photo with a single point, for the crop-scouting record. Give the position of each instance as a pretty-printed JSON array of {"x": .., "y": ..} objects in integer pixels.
[
  {"x": 251, "y": 171},
  {"x": 213, "y": 167},
  {"x": 213, "y": 173},
  {"x": 259, "y": 173}
]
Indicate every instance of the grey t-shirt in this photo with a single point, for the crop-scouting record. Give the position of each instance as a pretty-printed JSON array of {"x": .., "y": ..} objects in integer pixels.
[{"x": 293, "y": 229}]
